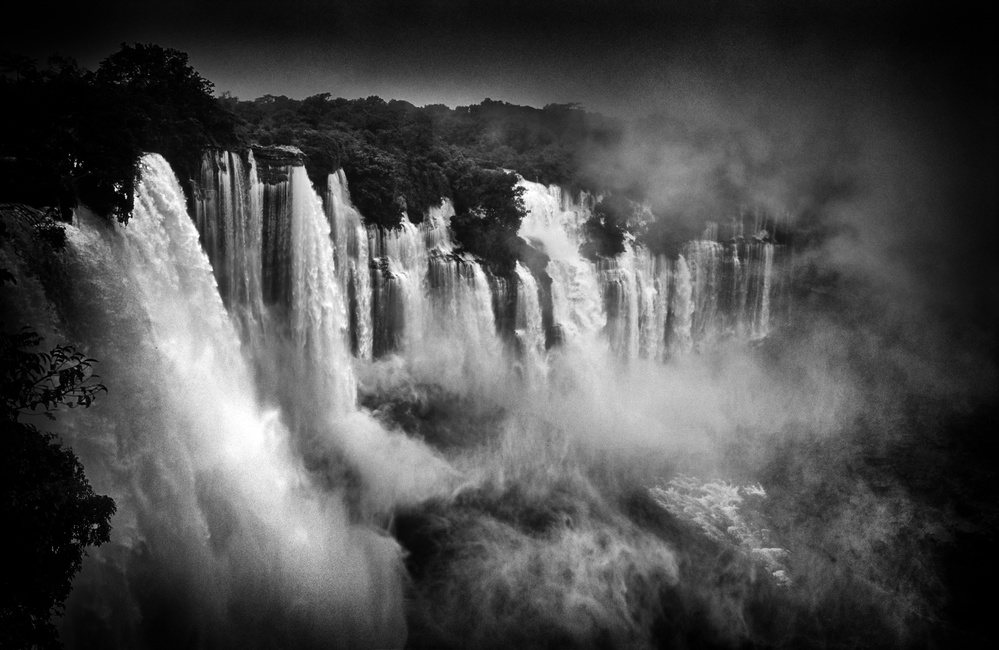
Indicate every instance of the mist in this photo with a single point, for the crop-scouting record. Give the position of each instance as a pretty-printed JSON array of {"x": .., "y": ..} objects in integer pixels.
[
  {"x": 364, "y": 459},
  {"x": 882, "y": 187}
]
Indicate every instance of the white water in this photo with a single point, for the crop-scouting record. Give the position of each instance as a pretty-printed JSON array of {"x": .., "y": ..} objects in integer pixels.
[
  {"x": 255, "y": 498},
  {"x": 222, "y": 537},
  {"x": 555, "y": 221},
  {"x": 352, "y": 255},
  {"x": 318, "y": 316},
  {"x": 407, "y": 299},
  {"x": 628, "y": 300},
  {"x": 529, "y": 330}
]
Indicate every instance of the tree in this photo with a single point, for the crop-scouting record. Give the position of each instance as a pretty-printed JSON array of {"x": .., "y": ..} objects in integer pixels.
[
  {"x": 607, "y": 228},
  {"x": 73, "y": 136},
  {"x": 160, "y": 73},
  {"x": 49, "y": 509},
  {"x": 169, "y": 105},
  {"x": 373, "y": 177},
  {"x": 489, "y": 207}
]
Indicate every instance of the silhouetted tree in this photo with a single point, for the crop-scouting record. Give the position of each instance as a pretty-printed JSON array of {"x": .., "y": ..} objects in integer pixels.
[
  {"x": 607, "y": 227},
  {"x": 374, "y": 177},
  {"x": 489, "y": 207},
  {"x": 76, "y": 136},
  {"x": 49, "y": 509}
]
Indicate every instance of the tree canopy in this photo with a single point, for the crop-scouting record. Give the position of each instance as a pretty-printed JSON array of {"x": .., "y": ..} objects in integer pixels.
[
  {"x": 73, "y": 135},
  {"x": 401, "y": 160},
  {"x": 77, "y": 136},
  {"x": 48, "y": 505}
]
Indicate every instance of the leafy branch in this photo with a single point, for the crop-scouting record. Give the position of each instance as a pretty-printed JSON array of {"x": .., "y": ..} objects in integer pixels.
[{"x": 32, "y": 380}]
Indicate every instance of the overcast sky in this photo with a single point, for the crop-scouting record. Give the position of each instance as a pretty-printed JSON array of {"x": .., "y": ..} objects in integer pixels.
[{"x": 622, "y": 57}]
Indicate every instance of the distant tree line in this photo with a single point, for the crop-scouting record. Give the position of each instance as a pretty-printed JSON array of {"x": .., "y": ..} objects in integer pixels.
[
  {"x": 77, "y": 136},
  {"x": 402, "y": 159}
]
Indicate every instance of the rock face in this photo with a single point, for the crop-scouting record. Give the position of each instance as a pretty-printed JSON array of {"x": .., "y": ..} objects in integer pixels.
[{"x": 274, "y": 162}]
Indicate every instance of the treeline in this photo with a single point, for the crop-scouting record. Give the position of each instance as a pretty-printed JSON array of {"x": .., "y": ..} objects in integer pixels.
[
  {"x": 547, "y": 145},
  {"x": 76, "y": 136},
  {"x": 403, "y": 159}
]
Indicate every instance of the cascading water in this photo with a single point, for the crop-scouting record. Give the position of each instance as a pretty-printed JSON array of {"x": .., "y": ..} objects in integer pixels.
[
  {"x": 554, "y": 221},
  {"x": 222, "y": 539},
  {"x": 683, "y": 310},
  {"x": 352, "y": 248},
  {"x": 529, "y": 330},
  {"x": 256, "y": 500},
  {"x": 270, "y": 248},
  {"x": 431, "y": 306},
  {"x": 229, "y": 223},
  {"x": 318, "y": 316},
  {"x": 650, "y": 306}
]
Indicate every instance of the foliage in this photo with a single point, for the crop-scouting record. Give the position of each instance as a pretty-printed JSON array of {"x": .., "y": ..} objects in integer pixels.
[
  {"x": 47, "y": 498},
  {"x": 47, "y": 501},
  {"x": 168, "y": 101},
  {"x": 374, "y": 186},
  {"x": 489, "y": 207},
  {"x": 607, "y": 227},
  {"x": 56, "y": 515},
  {"x": 51, "y": 232},
  {"x": 401, "y": 160},
  {"x": 31, "y": 380},
  {"x": 77, "y": 136}
]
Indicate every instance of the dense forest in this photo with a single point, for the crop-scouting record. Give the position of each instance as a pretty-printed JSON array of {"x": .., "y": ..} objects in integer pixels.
[{"x": 76, "y": 136}]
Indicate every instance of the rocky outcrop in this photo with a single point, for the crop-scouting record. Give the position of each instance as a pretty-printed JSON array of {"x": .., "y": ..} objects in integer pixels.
[{"x": 274, "y": 162}]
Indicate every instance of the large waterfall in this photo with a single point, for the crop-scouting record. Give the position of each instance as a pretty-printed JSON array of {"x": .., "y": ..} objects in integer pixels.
[
  {"x": 655, "y": 307},
  {"x": 322, "y": 433},
  {"x": 407, "y": 292},
  {"x": 223, "y": 537}
]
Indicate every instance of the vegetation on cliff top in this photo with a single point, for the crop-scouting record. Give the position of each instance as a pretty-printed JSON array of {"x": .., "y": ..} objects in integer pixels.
[
  {"x": 76, "y": 136},
  {"x": 401, "y": 159}
]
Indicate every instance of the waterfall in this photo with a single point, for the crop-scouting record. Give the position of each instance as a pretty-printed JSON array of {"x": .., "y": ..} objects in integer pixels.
[
  {"x": 406, "y": 293},
  {"x": 318, "y": 315},
  {"x": 529, "y": 330},
  {"x": 555, "y": 222},
  {"x": 401, "y": 265},
  {"x": 221, "y": 539},
  {"x": 352, "y": 254},
  {"x": 432, "y": 306},
  {"x": 651, "y": 319},
  {"x": 683, "y": 309},
  {"x": 663, "y": 286},
  {"x": 704, "y": 259},
  {"x": 459, "y": 343},
  {"x": 763, "y": 320},
  {"x": 279, "y": 370},
  {"x": 271, "y": 250},
  {"x": 648, "y": 306}
]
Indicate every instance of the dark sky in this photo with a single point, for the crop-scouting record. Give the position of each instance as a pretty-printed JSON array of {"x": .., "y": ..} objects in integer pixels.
[{"x": 622, "y": 57}]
